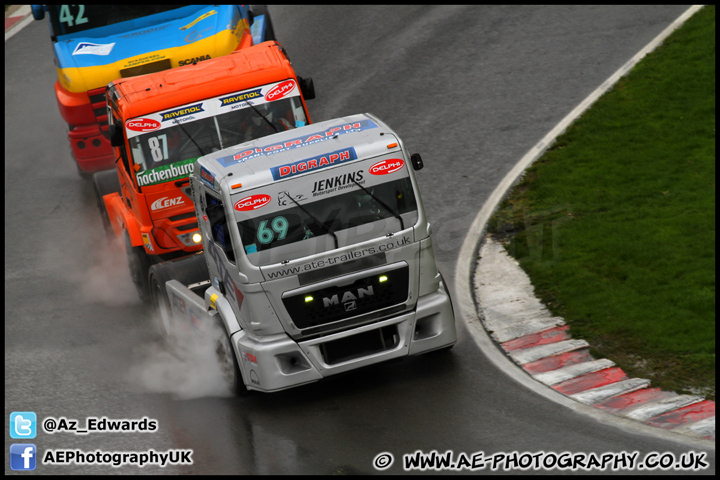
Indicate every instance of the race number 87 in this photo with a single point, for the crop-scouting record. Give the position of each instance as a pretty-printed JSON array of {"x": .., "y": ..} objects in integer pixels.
[{"x": 266, "y": 235}]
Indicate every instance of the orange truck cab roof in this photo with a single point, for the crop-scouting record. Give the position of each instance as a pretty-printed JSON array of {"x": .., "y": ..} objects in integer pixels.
[{"x": 246, "y": 68}]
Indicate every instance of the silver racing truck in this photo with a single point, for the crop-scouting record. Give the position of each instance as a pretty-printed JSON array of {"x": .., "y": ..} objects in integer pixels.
[{"x": 318, "y": 257}]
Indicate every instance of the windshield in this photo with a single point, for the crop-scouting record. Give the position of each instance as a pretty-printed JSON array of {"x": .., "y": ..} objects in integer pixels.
[
  {"x": 70, "y": 19},
  {"x": 343, "y": 206},
  {"x": 177, "y": 137}
]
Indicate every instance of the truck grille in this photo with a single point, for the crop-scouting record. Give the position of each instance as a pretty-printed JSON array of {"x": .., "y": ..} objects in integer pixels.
[
  {"x": 360, "y": 345},
  {"x": 330, "y": 304}
]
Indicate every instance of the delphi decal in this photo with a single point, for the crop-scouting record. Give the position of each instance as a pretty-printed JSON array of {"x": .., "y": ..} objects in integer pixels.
[
  {"x": 386, "y": 166},
  {"x": 281, "y": 90},
  {"x": 253, "y": 202},
  {"x": 143, "y": 125}
]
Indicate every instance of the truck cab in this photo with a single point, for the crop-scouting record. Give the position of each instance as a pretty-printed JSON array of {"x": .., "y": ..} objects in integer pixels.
[
  {"x": 161, "y": 123},
  {"x": 96, "y": 44},
  {"x": 319, "y": 255}
]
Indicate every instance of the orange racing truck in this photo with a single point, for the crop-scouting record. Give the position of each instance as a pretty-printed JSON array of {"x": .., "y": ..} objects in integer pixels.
[
  {"x": 162, "y": 122},
  {"x": 96, "y": 44}
]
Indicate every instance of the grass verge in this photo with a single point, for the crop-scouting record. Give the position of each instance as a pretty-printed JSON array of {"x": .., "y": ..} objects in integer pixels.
[{"x": 615, "y": 223}]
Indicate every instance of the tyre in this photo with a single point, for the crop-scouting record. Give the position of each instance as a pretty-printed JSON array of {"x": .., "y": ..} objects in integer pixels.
[
  {"x": 258, "y": 10},
  {"x": 227, "y": 360},
  {"x": 139, "y": 263},
  {"x": 104, "y": 183}
]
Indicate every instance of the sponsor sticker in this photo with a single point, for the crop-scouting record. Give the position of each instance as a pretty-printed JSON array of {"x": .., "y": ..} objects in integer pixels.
[
  {"x": 143, "y": 125},
  {"x": 240, "y": 97},
  {"x": 297, "y": 142},
  {"x": 207, "y": 177},
  {"x": 166, "y": 202},
  {"x": 188, "y": 61},
  {"x": 182, "y": 112},
  {"x": 280, "y": 91},
  {"x": 199, "y": 19},
  {"x": 253, "y": 202},
  {"x": 386, "y": 166},
  {"x": 249, "y": 357},
  {"x": 314, "y": 163},
  {"x": 87, "y": 48},
  {"x": 147, "y": 242},
  {"x": 178, "y": 304},
  {"x": 165, "y": 173}
]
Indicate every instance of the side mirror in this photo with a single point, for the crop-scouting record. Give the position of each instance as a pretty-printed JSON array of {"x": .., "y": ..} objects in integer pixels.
[
  {"x": 416, "y": 161},
  {"x": 116, "y": 135},
  {"x": 38, "y": 11},
  {"x": 307, "y": 87}
]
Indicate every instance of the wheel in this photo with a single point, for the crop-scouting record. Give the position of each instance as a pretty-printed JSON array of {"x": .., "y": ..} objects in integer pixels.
[
  {"x": 139, "y": 263},
  {"x": 227, "y": 360},
  {"x": 258, "y": 10},
  {"x": 105, "y": 183}
]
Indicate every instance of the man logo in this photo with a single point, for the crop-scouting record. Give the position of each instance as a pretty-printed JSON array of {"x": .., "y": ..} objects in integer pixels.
[{"x": 348, "y": 298}]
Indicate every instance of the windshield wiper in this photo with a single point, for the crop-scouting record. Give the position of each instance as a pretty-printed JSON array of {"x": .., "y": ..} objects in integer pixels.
[
  {"x": 191, "y": 138},
  {"x": 383, "y": 204},
  {"x": 262, "y": 116},
  {"x": 322, "y": 225}
]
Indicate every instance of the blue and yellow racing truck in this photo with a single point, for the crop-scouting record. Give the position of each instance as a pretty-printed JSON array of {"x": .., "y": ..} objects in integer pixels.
[{"x": 96, "y": 44}]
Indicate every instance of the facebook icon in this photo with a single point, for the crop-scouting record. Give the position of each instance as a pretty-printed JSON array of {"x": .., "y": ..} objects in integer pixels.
[{"x": 23, "y": 456}]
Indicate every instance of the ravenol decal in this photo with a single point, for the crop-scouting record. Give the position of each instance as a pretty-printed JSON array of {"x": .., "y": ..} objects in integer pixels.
[
  {"x": 165, "y": 173},
  {"x": 253, "y": 202},
  {"x": 386, "y": 166},
  {"x": 314, "y": 163},
  {"x": 181, "y": 112},
  {"x": 297, "y": 142},
  {"x": 280, "y": 91},
  {"x": 143, "y": 125},
  {"x": 240, "y": 97},
  {"x": 87, "y": 48}
]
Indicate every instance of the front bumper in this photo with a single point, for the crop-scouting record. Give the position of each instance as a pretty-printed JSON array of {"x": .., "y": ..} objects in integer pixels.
[{"x": 281, "y": 363}]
